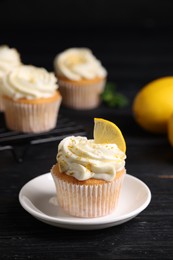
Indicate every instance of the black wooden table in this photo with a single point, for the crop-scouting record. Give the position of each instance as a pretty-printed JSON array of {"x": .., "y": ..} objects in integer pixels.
[{"x": 132, "y": 59}]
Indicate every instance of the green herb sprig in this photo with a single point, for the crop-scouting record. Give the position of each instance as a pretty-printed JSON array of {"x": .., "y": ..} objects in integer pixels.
[{"x": 113, "y": 98}]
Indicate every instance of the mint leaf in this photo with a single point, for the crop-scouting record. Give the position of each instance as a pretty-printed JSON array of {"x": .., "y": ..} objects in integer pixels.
[{"x": 113, "y": 98}]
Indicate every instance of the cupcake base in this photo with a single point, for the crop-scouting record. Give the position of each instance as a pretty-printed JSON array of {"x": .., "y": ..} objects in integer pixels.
[
  {"x": 1, "y": 104},
  {"x": 84, "y": 94},
  {"x": 32, "y": 116},
  {"x": 91, "y": 198}
]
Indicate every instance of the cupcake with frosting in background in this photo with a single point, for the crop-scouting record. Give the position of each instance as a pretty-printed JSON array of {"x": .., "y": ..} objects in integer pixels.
[
  {"x": 81, "y": 78},
  {"x": 88, "y": 175},
  {"x": 9, "y": 59},
  {"x": 31, "y": 99}
]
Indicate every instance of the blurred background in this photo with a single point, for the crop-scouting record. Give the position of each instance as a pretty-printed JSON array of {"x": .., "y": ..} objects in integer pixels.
[
  {"x": 87, "y": 12},
  {"x": 133, "y": 39}
]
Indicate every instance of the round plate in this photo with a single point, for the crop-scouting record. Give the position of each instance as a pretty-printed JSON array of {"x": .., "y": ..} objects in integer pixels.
[{"x": 38, "y": 197}]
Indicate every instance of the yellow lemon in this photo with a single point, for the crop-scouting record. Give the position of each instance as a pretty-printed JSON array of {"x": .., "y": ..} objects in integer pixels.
[
  {"x": 109, "y": 133},
  {"x": 170, "y": 129},
  {"x": 153, "y": 105}
]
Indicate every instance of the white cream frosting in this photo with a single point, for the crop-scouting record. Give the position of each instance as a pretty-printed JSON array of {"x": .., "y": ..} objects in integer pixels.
[
  {"x": 78, "y": 63},
  {"x": 29, "y": 82},
  {"x": 9, "y": 59},
  {"x": 84, "y": 159}
]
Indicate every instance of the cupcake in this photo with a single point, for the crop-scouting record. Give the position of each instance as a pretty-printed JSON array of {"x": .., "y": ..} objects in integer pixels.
[
  {"x": 9, "y": 59},
  {"x": 31, "y": 99},
  {"x": 88, "y": 176},
  {"x": 81, "y": 78}
]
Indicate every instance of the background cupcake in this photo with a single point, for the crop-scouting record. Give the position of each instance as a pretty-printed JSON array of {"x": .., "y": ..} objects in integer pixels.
[
  {"x": 31, "y": 99},
  {"x": 9, "y": 59},
  {"x": 81, "y": 78}
]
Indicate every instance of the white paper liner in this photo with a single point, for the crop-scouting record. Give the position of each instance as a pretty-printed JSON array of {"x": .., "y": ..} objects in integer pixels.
[
  {"x": 81, "y": 96},
  {"x": 88, "y": 200},
  {"x": 33, "y": 118}
]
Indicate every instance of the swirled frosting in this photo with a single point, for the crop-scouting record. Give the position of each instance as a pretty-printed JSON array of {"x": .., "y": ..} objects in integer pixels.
[
  {"x": 78, "y": 63},
  {"x": 29, "y": 82},
  {"x": 9, "y": 59},
  {"x": 84, "y": 159}
]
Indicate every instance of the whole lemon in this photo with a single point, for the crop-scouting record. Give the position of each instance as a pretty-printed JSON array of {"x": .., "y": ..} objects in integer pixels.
[
  {"x": 153, "y": 105},
  {"x": 170, "y": 129}
]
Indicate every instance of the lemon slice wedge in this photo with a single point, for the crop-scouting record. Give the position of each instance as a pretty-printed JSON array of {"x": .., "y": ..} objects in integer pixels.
[{"x": 109, "y": 133}]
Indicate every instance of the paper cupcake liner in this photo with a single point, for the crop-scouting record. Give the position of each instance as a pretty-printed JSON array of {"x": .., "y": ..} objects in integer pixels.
[
  {"x": 1, "y": 104},
  {"x": 88, "y": 200},
  {"x": 81, "y": 96},
  {"x": 1, "y": 97},
  {"x": 31, "y": 117}
]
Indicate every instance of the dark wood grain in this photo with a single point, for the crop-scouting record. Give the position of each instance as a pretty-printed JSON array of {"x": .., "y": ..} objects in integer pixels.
[{"x": 132, "y": 59}]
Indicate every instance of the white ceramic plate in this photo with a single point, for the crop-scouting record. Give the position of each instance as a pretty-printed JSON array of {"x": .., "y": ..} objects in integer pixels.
[{"x": 38, "y": 198}]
